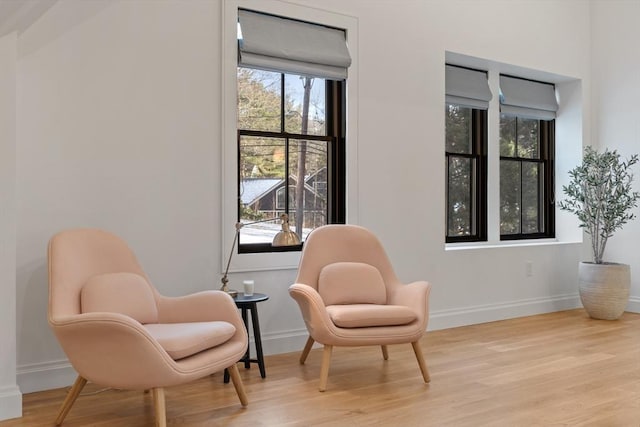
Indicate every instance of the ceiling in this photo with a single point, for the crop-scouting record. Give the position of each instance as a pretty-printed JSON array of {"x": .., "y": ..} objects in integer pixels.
[{"x": 18, "y": 15}]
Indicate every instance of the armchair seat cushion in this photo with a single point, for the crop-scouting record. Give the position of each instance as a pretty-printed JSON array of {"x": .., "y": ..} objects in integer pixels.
[
  {"x": 181, "y": 340},
  {"x": 367, "y": 315}
]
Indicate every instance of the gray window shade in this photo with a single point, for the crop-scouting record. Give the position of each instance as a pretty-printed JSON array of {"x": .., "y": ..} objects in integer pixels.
[
  {"x": 524, "y": 98},
  {"x": 468, "y": 88},
  {"x": 278, "y": 44}
]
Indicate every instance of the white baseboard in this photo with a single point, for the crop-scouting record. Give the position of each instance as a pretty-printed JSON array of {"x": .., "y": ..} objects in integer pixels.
[
  {"x": 294, "y": 340},
  {"x": 452, "y": 318},
  {"x": 45, "y": 375},
  {"x": 10, "y": 402},
  {"x": 283, "y": 342},
  {"x": 59, "y": 373},
  {"x": 633, "y": 305}
]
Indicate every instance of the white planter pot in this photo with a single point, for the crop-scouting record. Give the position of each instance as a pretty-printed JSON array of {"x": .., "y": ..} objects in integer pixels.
[{"x": 604, "y": 289}]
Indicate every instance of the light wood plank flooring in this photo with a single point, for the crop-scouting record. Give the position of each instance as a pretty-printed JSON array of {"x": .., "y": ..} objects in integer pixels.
[{"x": 553, "y": 369}]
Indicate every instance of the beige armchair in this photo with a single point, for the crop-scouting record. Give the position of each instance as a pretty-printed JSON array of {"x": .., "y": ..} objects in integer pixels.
[
  {"x": 118, "y": 331},
  {"x": 349, "y": 295}
]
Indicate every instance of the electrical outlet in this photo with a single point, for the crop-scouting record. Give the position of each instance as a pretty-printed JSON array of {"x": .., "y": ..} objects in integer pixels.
[{"x": 528, "y": 268}]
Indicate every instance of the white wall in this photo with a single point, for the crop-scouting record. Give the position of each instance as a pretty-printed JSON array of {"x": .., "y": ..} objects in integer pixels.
[
  {"x": 401, "y": 86},
  {"x": 616, "y": 90},
  {"x": 10, "y": 397},
  {"x": 119, "y": 127}
]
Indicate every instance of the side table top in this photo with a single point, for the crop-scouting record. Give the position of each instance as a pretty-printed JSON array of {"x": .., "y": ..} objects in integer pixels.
[{"x": 256, "y": 297}]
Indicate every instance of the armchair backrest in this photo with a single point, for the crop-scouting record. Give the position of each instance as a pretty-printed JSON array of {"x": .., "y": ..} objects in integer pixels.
[
  {"x": 335, "y": 243},
  {"x": 77, "y": 255}
]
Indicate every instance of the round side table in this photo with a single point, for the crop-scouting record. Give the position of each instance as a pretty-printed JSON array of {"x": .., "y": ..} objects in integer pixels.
[{"x": 249, "y": 303}]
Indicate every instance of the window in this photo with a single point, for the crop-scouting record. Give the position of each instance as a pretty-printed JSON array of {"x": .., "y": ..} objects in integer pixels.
[
  {"x": 467, "y": 99},
  {"x": 526, "y": 177},
  {"x": 281, "y": 198},
  {"x": 290, "y": 129},
  {"x": 524, "y": 193},
  {"x": 527, "y": 138},
  {"x": 466, "y": 158}
]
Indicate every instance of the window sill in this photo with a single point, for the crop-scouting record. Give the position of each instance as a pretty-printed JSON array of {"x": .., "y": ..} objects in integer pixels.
[
  {"x": 265, "y": 261},
  {"x": 505, "y": 244}
]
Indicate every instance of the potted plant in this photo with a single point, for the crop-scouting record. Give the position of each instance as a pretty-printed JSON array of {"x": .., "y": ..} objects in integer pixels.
[{"x": 601, "y": 196}]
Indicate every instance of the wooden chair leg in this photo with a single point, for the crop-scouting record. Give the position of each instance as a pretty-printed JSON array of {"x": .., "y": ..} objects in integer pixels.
[
  {"x": 324, "y": 370},
  {"x": 423, "y": 366},
  {"x": 161, "y": 409},
  {"x": 306, "y": 350},
  {"x": 385, "y": 352},
  {"x": 237, "y": 383},
  {"x": 70, "y": 399}
]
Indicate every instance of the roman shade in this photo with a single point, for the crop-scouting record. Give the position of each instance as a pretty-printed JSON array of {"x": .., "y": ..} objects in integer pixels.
[
  {"x": 272, "y": 43},
  {"x": 528, "y": 99},
  {"x": 468, "y": 88}
]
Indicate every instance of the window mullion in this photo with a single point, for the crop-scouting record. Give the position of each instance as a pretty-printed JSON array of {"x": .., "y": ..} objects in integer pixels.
[
  {"x": 282, "y": 97},
  {"x": 462, "y": 155},
  {"x": 542, "y": 211},
  {"x": 517, "y": 149},
  {"x": 472, "y": 208},
  {"x": 480, "y": 132},
  {"x": 286, "y": 176},
  {"x": 447, "y": 192},
  {"x": 521, "y": 203},
  {"x": 286, "y": 144}
]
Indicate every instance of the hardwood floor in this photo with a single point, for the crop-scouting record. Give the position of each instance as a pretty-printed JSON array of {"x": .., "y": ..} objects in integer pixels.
[{"x": 553, "y": 369}]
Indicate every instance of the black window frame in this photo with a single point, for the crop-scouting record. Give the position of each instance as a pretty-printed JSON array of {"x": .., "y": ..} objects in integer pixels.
[
  {"x": 546, "y": 213},
  {"x": 335, "y": 115},
  {"x": 478, "y": 188}
]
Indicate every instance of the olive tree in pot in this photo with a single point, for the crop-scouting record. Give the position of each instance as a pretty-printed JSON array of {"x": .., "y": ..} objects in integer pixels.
[{"x": 601, "y": 196}]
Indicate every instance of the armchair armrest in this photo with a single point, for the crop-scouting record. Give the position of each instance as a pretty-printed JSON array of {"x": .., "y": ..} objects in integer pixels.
[
  {"x": 205, "y": 306},
  {"x": 112, "y": 349},
  {"x": 415, "y": 296},
  {"x": 313, "y": 310}
]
